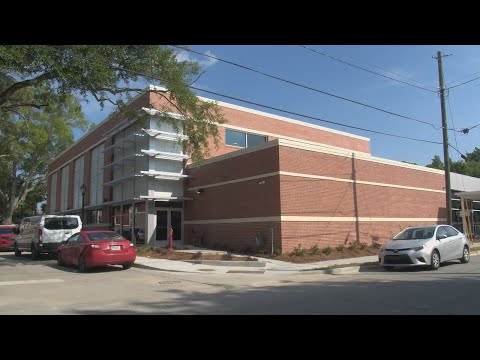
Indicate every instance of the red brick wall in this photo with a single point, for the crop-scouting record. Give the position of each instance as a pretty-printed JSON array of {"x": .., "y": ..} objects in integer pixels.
[
  {"x": 234, "y": 237},
  {"x": 323, "y": 234},
  {"x": 302, "y": 161},
  {"x": 251, "y": 164},
  {"x": 95, "y": 136},
  {"x": 268, "y": 124}
]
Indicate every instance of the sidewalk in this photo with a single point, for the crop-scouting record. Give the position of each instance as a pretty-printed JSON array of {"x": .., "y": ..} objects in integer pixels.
[{"x": 264, "y": 265}]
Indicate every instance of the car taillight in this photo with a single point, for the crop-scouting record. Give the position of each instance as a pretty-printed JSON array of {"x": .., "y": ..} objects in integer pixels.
[
  {"x": 95, "y": 246},
  {"x": 39, "y": 235}
]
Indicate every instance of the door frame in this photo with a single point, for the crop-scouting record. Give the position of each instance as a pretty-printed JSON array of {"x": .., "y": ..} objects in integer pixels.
[{"x": 169, "y": 223}]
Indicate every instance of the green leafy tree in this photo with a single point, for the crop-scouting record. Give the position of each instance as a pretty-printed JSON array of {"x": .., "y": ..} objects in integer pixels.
[
  {"x": 436, "y": 163},
  {"x": 109, "y": 74},
  {"x": 30, "y": 138}
]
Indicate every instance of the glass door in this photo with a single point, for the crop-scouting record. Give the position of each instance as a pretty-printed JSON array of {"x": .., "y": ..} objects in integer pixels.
[
  {"x": 162, "y": 225},
  {"x": 176, "y": 223}
]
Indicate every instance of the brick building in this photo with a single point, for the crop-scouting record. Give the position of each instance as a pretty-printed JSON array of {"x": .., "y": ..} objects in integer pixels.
[{"x": 272, "y": 179}]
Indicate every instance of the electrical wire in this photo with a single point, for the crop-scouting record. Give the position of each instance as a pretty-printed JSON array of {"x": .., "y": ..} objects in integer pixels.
[
  {"x": 307, "y": 87},
  {"x": 364, "y": 69},
  {"x": 312, "y": 117}
]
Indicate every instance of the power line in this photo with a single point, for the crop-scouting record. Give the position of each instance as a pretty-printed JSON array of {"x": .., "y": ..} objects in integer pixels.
[
  {"x": 466, "y": 82},
  {"x": 392, "y": 72},
  {"x": 312, "y": 117},
  {"x": 364, "y": 69},
  {"x": 285, "y": 111},
  {"x": 307, "y": 87}
]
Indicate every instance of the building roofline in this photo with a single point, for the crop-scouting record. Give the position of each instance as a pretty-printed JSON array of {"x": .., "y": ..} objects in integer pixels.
[{"x": 278, "y": 117}]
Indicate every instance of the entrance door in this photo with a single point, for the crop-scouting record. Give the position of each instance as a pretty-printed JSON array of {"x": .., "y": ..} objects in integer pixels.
[
  {"x": 167, "y": 219},
  {"x": 162, "y": 225}
]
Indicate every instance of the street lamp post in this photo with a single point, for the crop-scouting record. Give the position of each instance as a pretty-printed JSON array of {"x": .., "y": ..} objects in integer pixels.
[{"x": 83, "y": 189}]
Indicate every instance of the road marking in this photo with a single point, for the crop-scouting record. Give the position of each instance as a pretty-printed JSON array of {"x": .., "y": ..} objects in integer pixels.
[
  {"x": 2, "y": 258},
  {"x": 26, "y": 282}
]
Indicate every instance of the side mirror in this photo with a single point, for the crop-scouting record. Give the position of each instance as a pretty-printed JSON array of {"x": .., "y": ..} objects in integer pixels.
[{"x": 440, "y": 237}]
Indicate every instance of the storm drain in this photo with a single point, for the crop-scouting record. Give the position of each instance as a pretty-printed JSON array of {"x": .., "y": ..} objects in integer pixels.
[{"x": 245, "y": 271}]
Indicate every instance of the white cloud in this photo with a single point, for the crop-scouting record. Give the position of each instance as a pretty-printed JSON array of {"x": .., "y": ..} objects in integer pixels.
[{"x": 183, "y": 55}]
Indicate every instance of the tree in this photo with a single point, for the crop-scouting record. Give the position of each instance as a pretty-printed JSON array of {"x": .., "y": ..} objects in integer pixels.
[
  {"x": 436, "y": 163},
  {"x": 30, "y": 138},
  {"x": 108, "y": 73}
]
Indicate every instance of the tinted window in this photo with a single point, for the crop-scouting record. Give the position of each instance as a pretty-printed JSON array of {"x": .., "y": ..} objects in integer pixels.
[
  {"x": 60, "y": 223},
  {"x": 7, "y": 230},
  {"x": 53, "y": 224},
  {"x": 235, "y": 138},
  {"x": 70, "y": 223},
  {"x": 94, "y": 236},
  {"x": 253, "y": 140},
  {"x": 451, "y": 231},
  {"x": 73, "y": 238}
]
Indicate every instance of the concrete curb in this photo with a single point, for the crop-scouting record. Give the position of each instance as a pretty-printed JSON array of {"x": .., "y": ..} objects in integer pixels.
[
  {"x": 228, "y": 263},
  {"x": 142, "y": 266}
]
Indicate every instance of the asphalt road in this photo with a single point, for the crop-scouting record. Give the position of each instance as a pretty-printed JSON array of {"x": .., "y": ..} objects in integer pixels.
[{"x": 42, "y": 287}]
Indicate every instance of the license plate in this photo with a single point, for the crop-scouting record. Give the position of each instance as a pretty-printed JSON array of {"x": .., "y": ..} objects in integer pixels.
[{"x": 115, "y": 247}]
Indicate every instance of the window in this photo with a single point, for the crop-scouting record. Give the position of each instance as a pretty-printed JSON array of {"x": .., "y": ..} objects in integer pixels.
[
  {"x": 441, "y": 231},
  {"x": 451, "y": 231},
  {"x": 242, "y": 139},
  {"x": 235, "y": 138},
  {"x": 94, "y": 216},
  {"x": 64, "y": 189},
  {"x": 77, "y": 182},
  {"x": 96, "y": 182},
  {"x": 53, "y": 192}
]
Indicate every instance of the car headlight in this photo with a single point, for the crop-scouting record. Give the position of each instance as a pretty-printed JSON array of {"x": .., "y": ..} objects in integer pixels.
[{"x": 418, "y": 248}]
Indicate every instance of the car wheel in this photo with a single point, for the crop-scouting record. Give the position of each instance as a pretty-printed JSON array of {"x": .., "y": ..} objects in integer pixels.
[
  {"x": 35, "y": 253},
  {"x": 388, "y": 268},
  {"x": 466, "y": 255},
  {"x": 59, "y": 259},
  {"x": 435, "y": 260},
  {"x": 17, "y": 252},
  {"x": 127, "y": 266},
  {"x": 82, "y": 266}
]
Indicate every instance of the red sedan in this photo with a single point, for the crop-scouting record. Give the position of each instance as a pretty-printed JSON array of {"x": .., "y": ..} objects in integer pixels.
[
  {"x": 7, "y": 232},
  {"x": 87, "y": 249}
]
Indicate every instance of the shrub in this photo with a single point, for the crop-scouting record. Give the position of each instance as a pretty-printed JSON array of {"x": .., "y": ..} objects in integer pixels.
[
  {"x": 375, "y": 245},
  {"x": 327, "y": 250},
  {"x": 314, "y": 250},
  {"x": 277, "y": 252},
  {"x": 227, "y": 256},
  {"x": 298, "y": 250},
  {"x": 363, "y": 246},
  {"x": 197, "y": 255},
  {"x": 340, "y": 247}
]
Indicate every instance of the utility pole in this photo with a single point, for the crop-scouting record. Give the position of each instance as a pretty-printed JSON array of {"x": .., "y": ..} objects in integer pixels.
[{"x": 446, "y": 158}]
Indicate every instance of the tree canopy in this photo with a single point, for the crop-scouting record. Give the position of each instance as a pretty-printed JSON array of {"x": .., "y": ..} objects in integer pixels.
[
  {"x": 469, "y": 166},
  {"x": 40, "y": 92}
]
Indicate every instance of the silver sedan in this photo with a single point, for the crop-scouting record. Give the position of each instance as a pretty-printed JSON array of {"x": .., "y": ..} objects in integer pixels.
[{"x": 425, "y": 245}]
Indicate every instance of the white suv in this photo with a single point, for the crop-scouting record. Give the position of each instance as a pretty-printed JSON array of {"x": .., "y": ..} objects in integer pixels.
[{"x": 44, "y": 234}]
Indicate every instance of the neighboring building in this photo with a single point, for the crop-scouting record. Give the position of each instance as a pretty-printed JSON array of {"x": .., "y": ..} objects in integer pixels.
[{"x": 271, "y": 178}]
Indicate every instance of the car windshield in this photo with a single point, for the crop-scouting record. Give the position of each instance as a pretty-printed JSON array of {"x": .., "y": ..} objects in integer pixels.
[
  {"x": 94, "y": 236},
  {"x": 6, "y": 231},
  {"x": 416, "y": 233}
]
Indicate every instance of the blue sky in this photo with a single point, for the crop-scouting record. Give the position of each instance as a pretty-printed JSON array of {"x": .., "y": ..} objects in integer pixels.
[{"x": 409, "y": 63}]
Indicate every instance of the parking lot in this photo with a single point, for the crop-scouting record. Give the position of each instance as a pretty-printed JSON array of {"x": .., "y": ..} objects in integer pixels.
[{"x": 42, "y": 287}]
